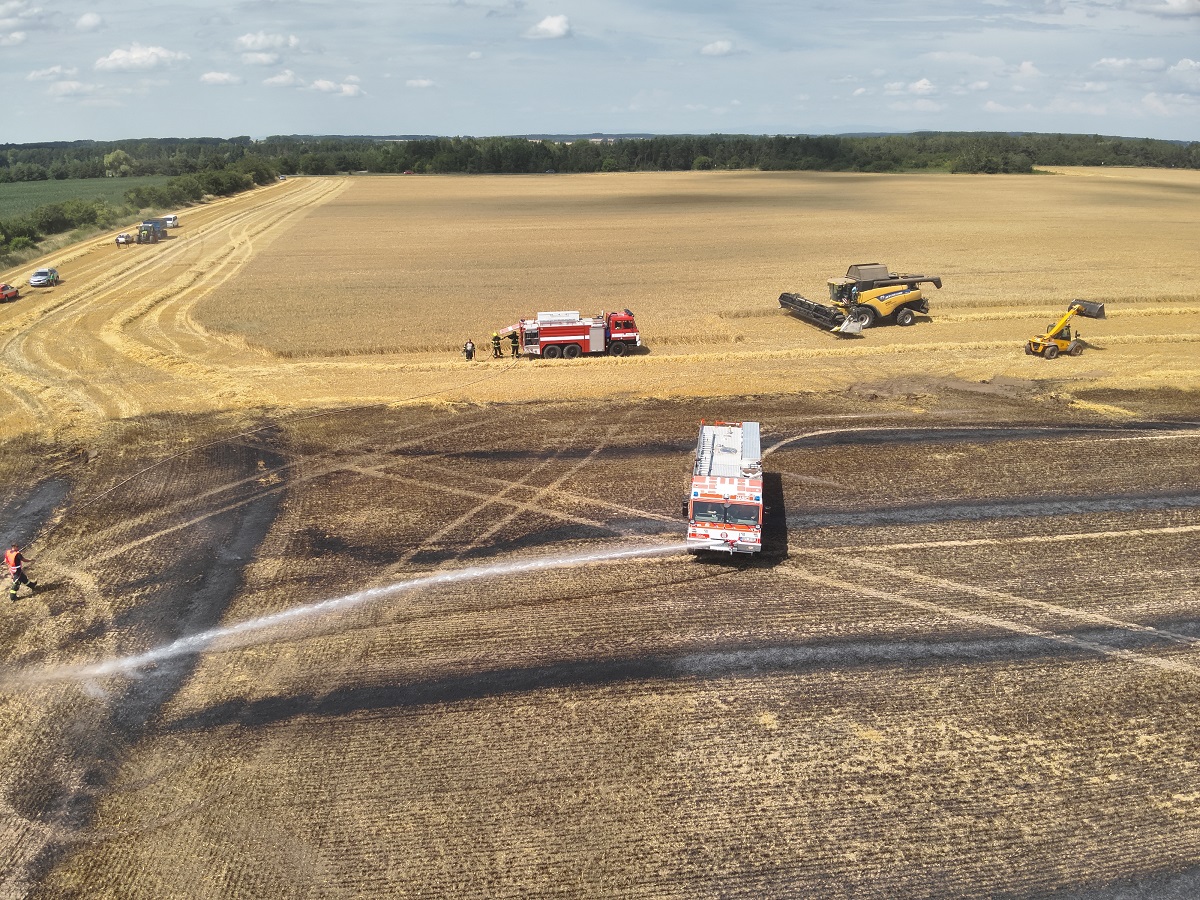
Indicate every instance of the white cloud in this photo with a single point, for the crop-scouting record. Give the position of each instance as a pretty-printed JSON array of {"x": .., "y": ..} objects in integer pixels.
[
  {"x": 62, "y": 90},
  {"x": 1187, "y": 71},
  {"x": 1027, "y": 70},
  {"x": 551, "y": 27},
  {"x": 286, "y": 78},
  {"x": 17, "y": 15},
  {"x": 52, "y": 73},
  {"x": 89, "y": 22},
  {"x": 1172, "y": 106},
  {"x": 717, "y": 48},
  {"x": 348, "y": 88},
  {"x": 1088, "y": 87},
  {"x": 1130, "y": 66},
  {"x": 138, "y": 57},
  {"x": 859, "y": 92},
  {"x": 260, "y": 59},
  {"x": 12, "y": 39},
  {"x": 419, "y": 83},
  {"x": 919, "y": 88},
  {"x": 263, "y": 41},
  {"x": 1169, "y": 8},
  {"x": 474, "y": 54},
  {"x": 220, "y": 78}
]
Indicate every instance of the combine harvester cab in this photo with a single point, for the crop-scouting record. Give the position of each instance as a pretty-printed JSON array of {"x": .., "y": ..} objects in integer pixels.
[
  {"x": 725, "y": 505},
  {"x": 568, "y": 335},
  {"x": 869, "y": 294}
]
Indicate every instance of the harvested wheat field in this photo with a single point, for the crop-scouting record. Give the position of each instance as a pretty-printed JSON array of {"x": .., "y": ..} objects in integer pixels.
[{"x": 326, "y": 611}]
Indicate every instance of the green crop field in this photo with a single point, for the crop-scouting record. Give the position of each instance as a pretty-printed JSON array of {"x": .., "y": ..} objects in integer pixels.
[{"x": 20, "y": 198}]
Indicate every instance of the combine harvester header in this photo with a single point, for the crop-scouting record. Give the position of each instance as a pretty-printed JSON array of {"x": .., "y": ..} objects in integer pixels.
[{"x": 725, "y": 506}]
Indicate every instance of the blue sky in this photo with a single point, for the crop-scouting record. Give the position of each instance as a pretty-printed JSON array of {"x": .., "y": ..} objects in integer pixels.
[{"x": 180, "y": 68}]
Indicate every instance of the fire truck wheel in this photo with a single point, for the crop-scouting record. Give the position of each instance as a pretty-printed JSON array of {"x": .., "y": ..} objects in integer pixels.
[
  {"x": 553, "y": 351},
  {"x": 571, "y": 351},
  {"x": 618, "y": 348}
]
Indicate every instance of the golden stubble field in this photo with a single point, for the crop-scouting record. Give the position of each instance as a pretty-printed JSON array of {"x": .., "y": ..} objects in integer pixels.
[
  {"x": 316, "y": 292},
  {"x": 414, "y": 266},
  {"x": 968, "y": 669}
]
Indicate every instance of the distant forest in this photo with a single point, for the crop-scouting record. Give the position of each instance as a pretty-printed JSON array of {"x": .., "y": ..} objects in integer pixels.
[
  {"x": 971, "y": 152},
  {"x": 199, "y": 167}
]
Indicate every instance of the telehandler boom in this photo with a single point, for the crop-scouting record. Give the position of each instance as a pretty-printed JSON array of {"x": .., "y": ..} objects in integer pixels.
[{"x": 1058, "y": 338}]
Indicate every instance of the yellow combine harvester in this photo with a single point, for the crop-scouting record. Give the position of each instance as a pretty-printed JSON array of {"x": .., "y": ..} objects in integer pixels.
[
  {"x": 867, "y": 295},
  {"x": 1058, "y": 338}
]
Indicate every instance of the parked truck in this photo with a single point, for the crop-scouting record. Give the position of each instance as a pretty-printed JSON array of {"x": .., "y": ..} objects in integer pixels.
[
  {"x": 725, "y": 504},
  {"x": 566, "y": 334},
  {"x": 151, "y": 231}
]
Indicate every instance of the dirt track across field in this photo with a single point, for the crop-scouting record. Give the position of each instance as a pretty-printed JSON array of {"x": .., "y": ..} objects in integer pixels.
[{"x": 351, "y": 626}]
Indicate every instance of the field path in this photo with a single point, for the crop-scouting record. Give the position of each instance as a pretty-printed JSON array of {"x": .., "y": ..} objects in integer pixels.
[{"x": 116, "y": 338}]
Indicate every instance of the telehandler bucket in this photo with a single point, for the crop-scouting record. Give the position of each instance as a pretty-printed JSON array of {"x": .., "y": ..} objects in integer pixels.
[{"x": 1089, "y": 310}]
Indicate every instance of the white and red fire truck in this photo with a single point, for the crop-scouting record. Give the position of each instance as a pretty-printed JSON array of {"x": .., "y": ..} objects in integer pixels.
[
  {"x": 567, "y": 334},
  {"x": 725, "y": 508}
]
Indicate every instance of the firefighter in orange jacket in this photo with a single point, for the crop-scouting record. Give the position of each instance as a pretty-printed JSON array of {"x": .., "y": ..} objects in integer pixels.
[{"x": 16, "y": 568}]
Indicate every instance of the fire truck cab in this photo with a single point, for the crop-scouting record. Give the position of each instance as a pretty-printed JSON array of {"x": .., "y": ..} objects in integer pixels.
[
  {"x": 568, "y": 335},
  {"x": 725, "y": 507}
]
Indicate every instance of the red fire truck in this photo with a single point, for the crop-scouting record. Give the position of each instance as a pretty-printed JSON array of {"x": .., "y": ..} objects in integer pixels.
[
  {"x": 567, "y": 334},
  {"x": 725, "y": 507}
]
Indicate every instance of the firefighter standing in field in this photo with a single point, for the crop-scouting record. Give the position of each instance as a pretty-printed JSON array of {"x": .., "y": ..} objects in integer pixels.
[
  {"x": 16, "y": 568},
  {"x": 516, "y": 344},
  {"x": 497, "y": 353}
]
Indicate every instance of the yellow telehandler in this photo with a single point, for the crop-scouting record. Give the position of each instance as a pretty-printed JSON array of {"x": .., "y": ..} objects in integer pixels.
[{"x": 1058, "y": 338}]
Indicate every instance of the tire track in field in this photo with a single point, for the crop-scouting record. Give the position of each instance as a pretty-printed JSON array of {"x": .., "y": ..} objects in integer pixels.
[
  {"x": 550, "y": 488},
  {"x": 1002, "y": 598},
  {"x": 80, "y": 331},
  {"x": 134, "y": 333},
  {"x": 24, "y": 350},
  {"x": 500, "y": 497},
  {"x": 1022, "y": 539},
  {"x": 896, "y": 598},
  {"x": 171, "y": 512},
  {"x": 177, "y": 307},
  {"x": 567, "y": 495}
]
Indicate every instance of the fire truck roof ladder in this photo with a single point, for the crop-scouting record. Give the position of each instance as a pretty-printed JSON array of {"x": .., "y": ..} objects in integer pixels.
[{"x": 729, "y": 450}]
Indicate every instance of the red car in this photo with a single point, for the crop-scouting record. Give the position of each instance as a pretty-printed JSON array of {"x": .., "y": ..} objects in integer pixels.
[{"x": 8, "y": 292}]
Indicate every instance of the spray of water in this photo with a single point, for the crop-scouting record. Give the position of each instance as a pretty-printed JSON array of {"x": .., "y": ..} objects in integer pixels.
[{"x": 268, "y": 629}]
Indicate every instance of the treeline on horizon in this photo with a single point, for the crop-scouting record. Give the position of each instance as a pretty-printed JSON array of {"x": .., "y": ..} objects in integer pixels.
[
  {"x": 199, "y": 167},
  {"x": 965, "y": 152}
]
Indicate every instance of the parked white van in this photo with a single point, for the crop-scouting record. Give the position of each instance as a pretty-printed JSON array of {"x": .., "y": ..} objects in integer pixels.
[{"x": 172, "y": 221}]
